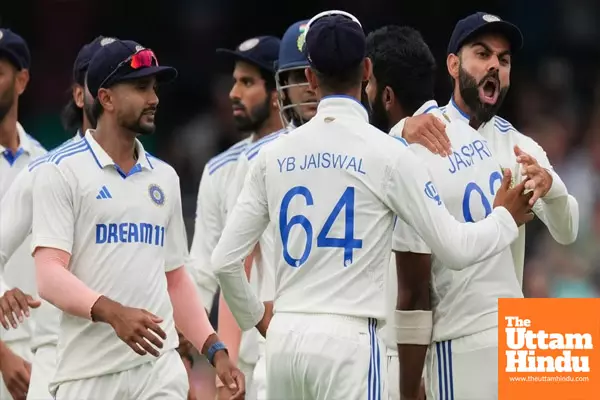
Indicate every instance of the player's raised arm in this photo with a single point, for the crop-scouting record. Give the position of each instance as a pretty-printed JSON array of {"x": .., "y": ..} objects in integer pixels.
[
  {"x": 248, "y": 220},
  {"x": 556, "y": 207},
  {"x": 413, "y": 197}
]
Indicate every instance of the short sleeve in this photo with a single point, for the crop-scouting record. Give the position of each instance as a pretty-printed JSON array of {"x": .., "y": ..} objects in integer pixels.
[
  {"x": 176, "y": 238},
  {"x": 53, "y": 223}
]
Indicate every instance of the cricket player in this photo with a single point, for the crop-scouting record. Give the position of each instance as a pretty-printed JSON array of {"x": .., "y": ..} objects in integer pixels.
[
  {"x": 16, "y": 226},
  {"x": 464, "y": 302},
  {"x": 107, "y": 224},
  {"x": 297, "y": 105},
  {"x": 254, "y": 113},
  {"x": 333, "y": 188},
  {"x": 479, "y": 62},
  {"x": 17, "y": 149}
]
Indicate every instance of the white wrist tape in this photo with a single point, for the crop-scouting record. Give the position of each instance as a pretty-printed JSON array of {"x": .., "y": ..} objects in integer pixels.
[{"x": 413, "y": 327}]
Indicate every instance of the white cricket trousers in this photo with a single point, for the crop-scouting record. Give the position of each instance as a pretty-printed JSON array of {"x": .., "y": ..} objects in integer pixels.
[
  {"x": 463, "y": 369},
  {"x": 22, "y": 348},
  {"x": 162, "y": 379},
  {"x": 258, "y": 390},
  {"x": 393, "y": 376},
  {"x": 324, "y": 357},
  {"x": 43, "y": 369}
]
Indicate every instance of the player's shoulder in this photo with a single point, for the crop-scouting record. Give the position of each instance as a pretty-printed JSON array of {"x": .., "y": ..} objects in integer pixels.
[
  {"x": 227, "y": 157},
  {"x": 158, "y": 165},
  {"x": 254, "y": 148},
  {"x": 504, "y": 127},
  {"x": 71, "y": 149}
]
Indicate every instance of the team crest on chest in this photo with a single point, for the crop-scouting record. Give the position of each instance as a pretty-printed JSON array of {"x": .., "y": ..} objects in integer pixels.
[{"x": 156, "y": 194}]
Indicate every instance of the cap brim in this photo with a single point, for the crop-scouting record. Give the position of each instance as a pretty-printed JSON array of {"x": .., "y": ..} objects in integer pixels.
[
  {"x": 294, "y": 65},
  {"x": 511, "y": 32},
  {"x": 162, "y": 74},
  {"x": 233, "y": 55}
]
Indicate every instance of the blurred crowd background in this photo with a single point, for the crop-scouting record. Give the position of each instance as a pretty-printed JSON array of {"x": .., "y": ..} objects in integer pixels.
[{"x": 554, "y": 97}]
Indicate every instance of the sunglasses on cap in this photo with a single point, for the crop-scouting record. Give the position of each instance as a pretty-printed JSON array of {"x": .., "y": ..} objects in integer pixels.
[
  {"x": 329, "y": 14},
  {"x": 143, "y": 58}
]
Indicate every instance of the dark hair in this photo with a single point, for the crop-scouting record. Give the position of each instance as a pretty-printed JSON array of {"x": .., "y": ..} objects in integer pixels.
[
  {"x": 403, "y": 61},
  {"x": 71, "y": 116},
  {"x": 341, "y": 82},
  {"x": 97, "y": 109},
  {"x": 269, "y": 78}
]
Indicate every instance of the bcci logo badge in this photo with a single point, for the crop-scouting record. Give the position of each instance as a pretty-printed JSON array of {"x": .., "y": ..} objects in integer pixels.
[
  {"x": 301, "y": 37},
  {"x": 248, "y": 44},
  {"x": 106, "y": 40},
  {"x": 432, "y": 193},
  {"x": 156, "y": 194}
]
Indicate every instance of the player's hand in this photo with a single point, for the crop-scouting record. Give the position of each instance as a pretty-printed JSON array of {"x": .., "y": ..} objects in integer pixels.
[
  {"x": 16, "y": 373},
  {"x": 136, "y": 327},
  {"x": 263, "y": 324},
  {"x": 539, "y": 179},
  {"x": 224, "y": 393},
  {"x": 514, "y": 200},
  {"x": 15, "y": 303},
  {"x": 428, "y": 131},
  {"x": 230, "y": 375}
]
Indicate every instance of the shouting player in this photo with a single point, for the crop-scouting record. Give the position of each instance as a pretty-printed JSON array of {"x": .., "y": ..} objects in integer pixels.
[
  {"x": 107, "y": 224},
  {"x": 464, "y": 302},
  {"x": 479, "y": 61},
  {"x": 16, "y": 226},
  {"x": 16, "y": 149},
  {"x": 253, "y": 102},
  {"x": 333, "y": 188}
]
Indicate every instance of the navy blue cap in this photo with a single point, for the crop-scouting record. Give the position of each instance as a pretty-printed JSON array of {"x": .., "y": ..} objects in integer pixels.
[
  {"x": 109, "y": 67},
  {"x": 480, "y": 23},
  {"x": 291, "y": 51},
  {"x": 335, "y": 43},
  {"x": 14, "y": 48},
  {"x": 261, "y": 51},
  {"x": 85, "y": 55}
]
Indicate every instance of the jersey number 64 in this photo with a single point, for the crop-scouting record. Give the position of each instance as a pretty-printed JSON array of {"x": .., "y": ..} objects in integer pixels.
[{"x": 348, "y": 242}]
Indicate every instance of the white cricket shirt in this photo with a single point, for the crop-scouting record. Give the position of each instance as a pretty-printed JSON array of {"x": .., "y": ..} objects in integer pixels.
[
  {"x": 123, "y": 233},
  {"x": 18, "y": 267},
  {"x": 332, "y": 188},
  {"x": 210, "y": 218},
  {"x": 558, "y": 210},
  {"x": 463, "y": 302},
  {"x": 15, "y": 227},
  {"x": 211, "y": 213}
]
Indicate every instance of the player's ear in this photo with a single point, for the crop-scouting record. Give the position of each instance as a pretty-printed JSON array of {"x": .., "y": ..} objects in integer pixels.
[
  {"x": 274, "y": 97},
  {"x": 311, "y": 77},
  {"x": 367, "y": 69},
  {"x": 106, "y": 99},
  {"x": 388, "y": 98},
  {"x": 78, "y": 93},
  {"x": 453, "y": 64},
  {"x": 21, "y": 81}
]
